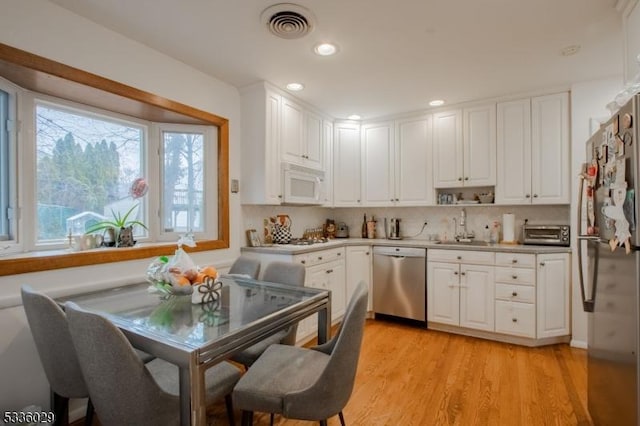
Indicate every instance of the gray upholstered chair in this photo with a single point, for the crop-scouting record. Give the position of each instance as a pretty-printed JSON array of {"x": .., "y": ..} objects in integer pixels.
[
  {"x": 245, "y": 266},
  {"x": 127, "y": 391},
  {"x": 306, "y": 384},
  {"x": 283, "y": 273},
  {"x": 48, "y": 324}
]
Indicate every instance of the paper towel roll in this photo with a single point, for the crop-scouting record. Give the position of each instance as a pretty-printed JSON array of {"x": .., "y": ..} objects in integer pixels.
[{"x": 508, "y": 228}]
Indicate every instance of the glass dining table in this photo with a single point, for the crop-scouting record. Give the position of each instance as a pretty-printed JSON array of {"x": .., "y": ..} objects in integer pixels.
[{"x": 197, "y": 336}]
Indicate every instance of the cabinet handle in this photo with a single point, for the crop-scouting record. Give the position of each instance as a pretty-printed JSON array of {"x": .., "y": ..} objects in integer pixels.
[
  {"x": 514, "y": 319},
  {"x": 339, "y": 254},
  {"x": 514, "y": 261},
  {"x": 391, "y": 200},
  {"x": 515, "y": 277},
  {"x": 329, "y": 271},
  {"x": 514, "y": 294},
  {"x": 527, "y": 196},
  {"x": 459, "y": 257},
  {"x": 463, "y": 273},
  {"x": 535, "y": 195},
  {"x": 541, "y": 263},
  {"x": 460, "y": 179},
  {"x": 319, "y": 257},
  {"x": 303, "y": 261},
  {"x": 367, "y": 253},
  {"x": 466, "y": 178},
  {"x": 279, "y": 196},
  {"x": 455, "y": 273},
  {"x": 397, "y": 199},
  {"x": 357, "y": 201}
]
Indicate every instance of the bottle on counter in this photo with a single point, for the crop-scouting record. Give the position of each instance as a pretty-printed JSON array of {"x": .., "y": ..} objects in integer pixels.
[
  {"x": 487, "y": 234},
  {"x": 364, "y": 227}
]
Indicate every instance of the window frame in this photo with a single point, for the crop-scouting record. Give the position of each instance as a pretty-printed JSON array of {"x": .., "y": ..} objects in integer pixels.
[
  {"x": 34, "y": 73},
  {"x": 8, "y": 164}
]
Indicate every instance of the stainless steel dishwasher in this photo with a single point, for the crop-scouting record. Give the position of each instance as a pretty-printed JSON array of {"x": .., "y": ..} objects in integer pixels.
[{"x": 399, "y": 282}]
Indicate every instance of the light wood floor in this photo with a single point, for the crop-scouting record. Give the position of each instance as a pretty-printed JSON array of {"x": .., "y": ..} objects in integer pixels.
[{"x": 412, "y": 376}]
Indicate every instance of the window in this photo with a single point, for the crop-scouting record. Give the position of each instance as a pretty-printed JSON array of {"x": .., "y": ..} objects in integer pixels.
[
  {"x": 186, "y": 179},
  {"x": 75, "y": 95},
  {"x": 85, "y": 165},
  {"x": 4, "y": 166}
]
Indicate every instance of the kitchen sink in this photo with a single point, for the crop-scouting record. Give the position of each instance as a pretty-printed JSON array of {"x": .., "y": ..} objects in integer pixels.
[{"x": 478, "y": 243}]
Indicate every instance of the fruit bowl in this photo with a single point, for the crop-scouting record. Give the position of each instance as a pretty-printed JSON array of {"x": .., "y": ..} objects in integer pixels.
[{"x": 486, "y": 198}]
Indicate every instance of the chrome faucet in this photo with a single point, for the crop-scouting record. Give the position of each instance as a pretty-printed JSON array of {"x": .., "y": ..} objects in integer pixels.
[{"x": 464, "y": 235}]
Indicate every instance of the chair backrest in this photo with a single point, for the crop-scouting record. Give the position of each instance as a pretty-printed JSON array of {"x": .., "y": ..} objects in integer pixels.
[
  {"x": 245, "y": 266},
  {"x": 50, "y": 330},
  {"x": 285, "y": 273},
  {"x": 291, "y": 274},
  {"x": 335, "y": 384},
  {"x": 123, "y": 391}
]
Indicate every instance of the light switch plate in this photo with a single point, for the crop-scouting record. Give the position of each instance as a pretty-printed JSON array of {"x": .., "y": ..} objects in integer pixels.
[{"x": 235, "y": 186}]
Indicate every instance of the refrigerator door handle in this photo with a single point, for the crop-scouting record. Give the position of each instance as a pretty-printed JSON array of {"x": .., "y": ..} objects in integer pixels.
[{"x": 588, "y": 305}]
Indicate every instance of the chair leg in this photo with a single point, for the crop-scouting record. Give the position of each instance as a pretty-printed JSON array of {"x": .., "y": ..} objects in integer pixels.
[
  {"x": 229, "y": 403},
  {"x": 60, "y": 406},
  {"x": 323, "y": 422},
  {"x": 88, "y": 417},
  {"x": 341, "y": 419},
  {"x": 247, "y": 418}
]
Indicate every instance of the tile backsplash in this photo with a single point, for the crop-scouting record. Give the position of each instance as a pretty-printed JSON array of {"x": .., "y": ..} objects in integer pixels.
[{"x": 439, "y": 219}]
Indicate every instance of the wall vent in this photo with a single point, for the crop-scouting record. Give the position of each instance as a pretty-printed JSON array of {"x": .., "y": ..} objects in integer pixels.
[{"x": 287, "y": 20}]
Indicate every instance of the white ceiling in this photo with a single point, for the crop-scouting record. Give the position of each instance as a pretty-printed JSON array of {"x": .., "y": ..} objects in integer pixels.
[{"x": 394, "y": 56}]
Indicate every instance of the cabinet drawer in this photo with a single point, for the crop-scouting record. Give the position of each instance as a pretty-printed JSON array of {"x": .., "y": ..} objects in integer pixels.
[
  {"x": 521, "y": 260},
  {"x": 515, "y": 293},
  {"x": 522, "y": 276},
  {"x": 461, "y": 256},
  {"x": 516, "y": 318},
  {"x": 321, "y": 256}
]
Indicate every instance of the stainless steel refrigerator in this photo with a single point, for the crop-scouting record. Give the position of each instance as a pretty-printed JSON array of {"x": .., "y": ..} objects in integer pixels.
[{"x": 609, "y": 267}]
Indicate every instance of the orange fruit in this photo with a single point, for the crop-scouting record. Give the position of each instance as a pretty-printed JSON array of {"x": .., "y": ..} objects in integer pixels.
[
  {"x": 199, "y": 278},
  {"x": 179, "y": 280},
  {"x": 209, "y": 271}
]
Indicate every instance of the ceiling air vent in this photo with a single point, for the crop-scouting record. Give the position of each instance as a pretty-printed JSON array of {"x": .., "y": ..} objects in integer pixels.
[{"x": 288, "y": 20}]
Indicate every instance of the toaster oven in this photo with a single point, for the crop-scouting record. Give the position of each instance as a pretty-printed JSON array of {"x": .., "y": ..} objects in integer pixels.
[{"x": 553, "y": 235}]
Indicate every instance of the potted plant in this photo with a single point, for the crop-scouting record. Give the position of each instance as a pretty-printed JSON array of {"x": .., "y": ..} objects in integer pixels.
[{"x": 120, "y": 228}]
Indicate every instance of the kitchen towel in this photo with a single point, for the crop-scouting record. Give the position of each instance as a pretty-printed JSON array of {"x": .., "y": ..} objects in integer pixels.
[{"x": 508, "y": 228}]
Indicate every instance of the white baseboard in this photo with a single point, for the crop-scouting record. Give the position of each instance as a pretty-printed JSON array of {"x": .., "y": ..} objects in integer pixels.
[{"x": 581, "y": 344}]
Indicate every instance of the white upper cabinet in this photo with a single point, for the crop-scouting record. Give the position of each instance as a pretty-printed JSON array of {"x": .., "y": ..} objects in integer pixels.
[
  {"x": 464, "y": 143},
  {"x": 301, "y": 141},
  {"x": 533, "y": 151},
  {"x": 447, "y": 149},
  {"x": 550, "y": 149},
  {"x": 327, "y": 137},
  {"x": 413, "y": 150},
  {"x": 513, "y": 184},
  {"x": 377, "y": 144},
  {"x": 479, "y": 145},
  {"x": 261, "y": 146},
  {"x": 346, "y": 165}
]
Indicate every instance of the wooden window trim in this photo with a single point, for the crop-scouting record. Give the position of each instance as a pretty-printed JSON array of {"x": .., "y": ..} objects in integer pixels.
[{"x": 43, "y": 75}]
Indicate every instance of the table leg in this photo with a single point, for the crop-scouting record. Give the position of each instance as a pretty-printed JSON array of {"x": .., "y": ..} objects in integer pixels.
[
  {"x": 324, "y": 323},
  {"x": 185, "y": 397}
]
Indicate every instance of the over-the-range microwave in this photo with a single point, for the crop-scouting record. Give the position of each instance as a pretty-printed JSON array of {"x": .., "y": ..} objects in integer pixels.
[{"x": 302, "y": 185}]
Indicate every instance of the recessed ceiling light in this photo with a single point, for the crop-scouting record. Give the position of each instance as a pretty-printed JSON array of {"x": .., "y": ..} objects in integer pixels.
[
  {"x": 325, "y": 49},
  {"x": 295, "y": 87},
  {"x": 436, "y": 102},
  {"x": 354, "y": 117},
  {"x": 570, "y": 50}
]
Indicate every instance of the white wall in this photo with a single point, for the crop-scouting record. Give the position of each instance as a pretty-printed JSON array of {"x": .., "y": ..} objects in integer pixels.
[
  {"x": 45, "y": 29},
  {"x": 588, "y": 101}
]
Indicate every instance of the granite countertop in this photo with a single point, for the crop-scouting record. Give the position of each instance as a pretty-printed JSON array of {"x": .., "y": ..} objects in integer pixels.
[{"x": 343, "y": 242}]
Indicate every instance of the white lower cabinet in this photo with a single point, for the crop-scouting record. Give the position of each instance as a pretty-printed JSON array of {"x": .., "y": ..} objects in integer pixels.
[
  {"x": 513, "y": 294},
  {"x": 359, "y": 265},
  {"x": 553, "y": 295},
  {"x": 460, "y": 294}
]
